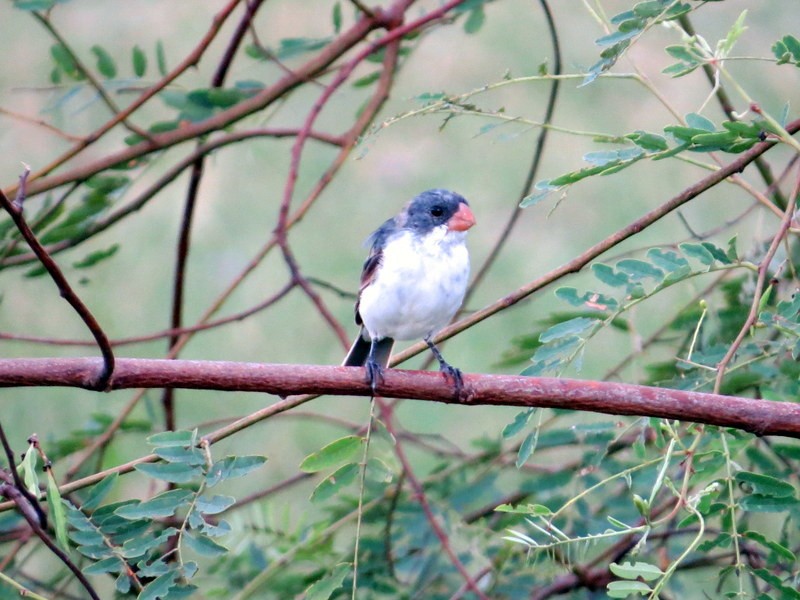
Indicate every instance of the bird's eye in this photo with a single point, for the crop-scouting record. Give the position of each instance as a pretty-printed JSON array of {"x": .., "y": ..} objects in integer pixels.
[{"x": 437, "y": 211}]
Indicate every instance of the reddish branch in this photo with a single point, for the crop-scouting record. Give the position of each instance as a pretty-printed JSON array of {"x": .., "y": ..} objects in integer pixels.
[
  {"x": 758, "y": 416},
  {"x": 763, "y": 270},
  {"x": 421, "y": 496},
  {"x": 98, "y": 380}
]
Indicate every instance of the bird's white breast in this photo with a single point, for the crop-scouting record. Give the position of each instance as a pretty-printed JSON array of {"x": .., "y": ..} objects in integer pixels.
[{"x": 419, "y": 286}]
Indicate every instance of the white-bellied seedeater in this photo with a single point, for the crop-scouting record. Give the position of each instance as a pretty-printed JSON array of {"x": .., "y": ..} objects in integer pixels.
[{"x": 413, "y": 281}]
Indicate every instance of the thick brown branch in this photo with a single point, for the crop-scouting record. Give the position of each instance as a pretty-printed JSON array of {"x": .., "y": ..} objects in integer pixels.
[{"x": 758, "y": 416}]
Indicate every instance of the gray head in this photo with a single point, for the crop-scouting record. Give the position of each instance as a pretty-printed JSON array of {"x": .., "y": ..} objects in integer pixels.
[{"x": 434, "y": 208}]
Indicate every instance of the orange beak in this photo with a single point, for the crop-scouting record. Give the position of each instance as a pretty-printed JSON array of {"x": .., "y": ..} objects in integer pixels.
[{"x": 462, "y": 220}]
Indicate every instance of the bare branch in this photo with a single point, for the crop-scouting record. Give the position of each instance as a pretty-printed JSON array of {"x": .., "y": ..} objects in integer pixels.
[{"x": 758, "y": 416}]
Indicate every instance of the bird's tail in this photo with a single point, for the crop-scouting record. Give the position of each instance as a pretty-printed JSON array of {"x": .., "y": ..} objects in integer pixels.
[{"x": 359, "y": 351}]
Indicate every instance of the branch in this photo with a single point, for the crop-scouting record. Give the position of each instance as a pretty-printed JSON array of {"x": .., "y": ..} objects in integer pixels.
[
  {"x": 95, "y": 381},
  {"x": 755, "y": 306},
  {"x": 757, "y": 416}
]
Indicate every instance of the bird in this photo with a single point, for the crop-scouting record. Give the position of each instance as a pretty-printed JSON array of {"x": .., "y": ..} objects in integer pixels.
[{"x": 413, "y": 281}]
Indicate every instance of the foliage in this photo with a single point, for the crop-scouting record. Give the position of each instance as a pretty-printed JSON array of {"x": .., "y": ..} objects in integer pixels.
[{"x": 543, "y": 503}]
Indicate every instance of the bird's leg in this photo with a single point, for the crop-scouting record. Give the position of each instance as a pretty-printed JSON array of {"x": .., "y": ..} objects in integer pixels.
[
  {"x": 446, "y": 368},
  {"x": 374, "y": 368}
]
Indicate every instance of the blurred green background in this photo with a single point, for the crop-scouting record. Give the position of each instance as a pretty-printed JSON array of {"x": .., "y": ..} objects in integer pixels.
[{"x": 240, "y": 194}]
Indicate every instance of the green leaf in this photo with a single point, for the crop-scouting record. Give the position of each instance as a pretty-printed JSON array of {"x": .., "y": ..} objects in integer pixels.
[
  {"x": 718, "y": 253},
  {"x": 55, "y": 507},
  {"x": 609, "y": 275},
  {"x": 323, "y": 588},
  {"x": 105, "y": 64},
  {"x": 543, "y": 189},
  {"x": 290, "y": 47},
  {"x": 158, "y": 507},
  {"x": 171, "y": 472},
  {"x": 636, "y": 570},
  {"x": 527, "y": 448},
  {"x": 475, "y": 20},
  {"x": 787, "y": 50},
  {"x": 336, "y": 17},
  {"x": 589, "y": 300},
  {"x": 27, "y": 469},
  {"x": 95, "y": 257},
  {"x": 764, "y": 485},
  {"x": 112, "y": 564},
  {"x": 698, "y": 121},
  {"x": 623, "y": 589},
  {"x": 137, "y": 546},
  {"x": 161, "y": 58},
  {"x": 181, "y": 437},
  {"x": 731, "y": 253},
  {"x": 668, "y": 260},
  {"x": 378, "y": 471},
  {"x": 536, "y": 510},
  {"x": 639, "y": 269},
  {"x": 99, "y": 492},
  {"x": 332, "y": 454},
  {"x": 65, "y": 62},
  {"x": 159, "y": 587},
  {"x": 203, "y": 545},
  {"x": 31, "y": 5},
  {"x": 233, "y": 466},
  {"x": 332, "y": 484},
  {"x": 214, "y": 505},
  {"x": 780, "y": 550},
  {"x": 550, "y": 357},
  {"x": 518, "y": 424},
  {"x": 613, "y": 157},
  {"x": 698, "y": 252},
  {"x": 734, "y": 33},
  {"x": 574, "y": 326},
  {"x": 759, "y": 503},
  {"x": 187, "y": 455},
  {"x": 651, "y": 142},
  {"x": 367, "y": 80},
  {"x": 139, "y": 61}
]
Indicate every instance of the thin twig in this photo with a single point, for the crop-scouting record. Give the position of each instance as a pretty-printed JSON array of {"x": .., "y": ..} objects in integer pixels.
[
  {"x": 763, "y": 269},
  {"x": 422, "y": 498},
  {"x": 100, "y": 381},
  {"x": 87, "y": 73},
  {"x": 538, "y": 152}
]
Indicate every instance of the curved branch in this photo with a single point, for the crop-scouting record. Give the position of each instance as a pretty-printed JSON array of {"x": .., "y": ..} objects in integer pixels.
[
  {"x": 762, "y": 417},
  {"x": 98, "y": 381}
]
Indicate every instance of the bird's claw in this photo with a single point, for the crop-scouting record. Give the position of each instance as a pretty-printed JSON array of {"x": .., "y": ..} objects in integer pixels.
[
  {"x": 454, "y": 374},
  {"x": 374, "y": 375}
]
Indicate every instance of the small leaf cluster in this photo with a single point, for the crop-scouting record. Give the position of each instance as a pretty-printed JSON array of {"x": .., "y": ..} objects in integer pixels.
[
  {"x": 634, "y": 280},
  {"x": 128, "y": 538},
  {"x": 630, "y": 24},
  {"x": 699, "y": 134},
  {"x": 787, "y": 50},
  {"x": 639, "y": 483},
  {"x": 66, "y": 65}
]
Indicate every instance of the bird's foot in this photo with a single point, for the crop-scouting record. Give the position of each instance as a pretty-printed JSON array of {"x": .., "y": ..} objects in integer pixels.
[
  {"x": 450, "y": 372},
  {"x": 374, "y": 375},
  {"x": 453, "y": 374}
]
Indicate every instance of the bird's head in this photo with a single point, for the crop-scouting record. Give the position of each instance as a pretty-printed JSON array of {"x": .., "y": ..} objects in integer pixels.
[{"x": 434, "y": 208}]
